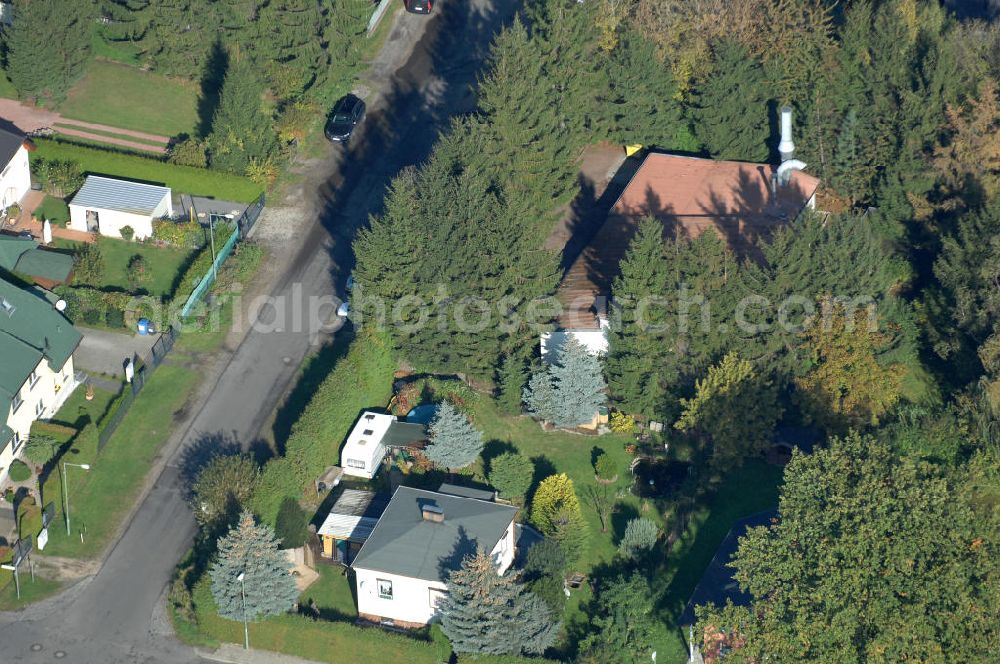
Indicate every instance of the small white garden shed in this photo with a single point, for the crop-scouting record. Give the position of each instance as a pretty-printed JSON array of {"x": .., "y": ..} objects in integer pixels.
[{"x": 106, "y": 205}]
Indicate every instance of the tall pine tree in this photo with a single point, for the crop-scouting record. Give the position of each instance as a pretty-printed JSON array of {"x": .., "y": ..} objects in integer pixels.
[
  {"x": 268, "y": 587},
  {"x": 485, "y": 613},
  {"x": 48, "y": 44},
  {"x": 241, "y": 129},
  {"x": 454, "y": 441}
]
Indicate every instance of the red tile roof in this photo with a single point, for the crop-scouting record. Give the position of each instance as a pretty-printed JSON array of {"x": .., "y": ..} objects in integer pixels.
[{"x": 688, "y": 194}]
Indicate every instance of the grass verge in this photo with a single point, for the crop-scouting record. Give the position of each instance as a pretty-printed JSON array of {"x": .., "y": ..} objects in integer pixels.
[
  {"x": 31, "y": 591},
  {"x": 54, "y": 209},
  {"x": 186, "y": 179}
]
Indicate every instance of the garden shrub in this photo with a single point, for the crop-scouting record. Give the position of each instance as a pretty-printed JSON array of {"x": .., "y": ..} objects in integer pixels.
[
  {"x": 88, "y": 262},
  {"x": 114, "y": 318},
  {"x": 127, "y": 232},
  {"x": 605, "y": 466},
  {"x": 621, "y": 423},
  {"x": 640, "y": 536},
  {"x": 29, "y": 518},
  {"x": 188, "y": 234},
  {"x": 189, "y": 152},
  {"x": 137, "y": 272},
  {"x": 92, "y": 317},
  {"x": 290, "y": 526},
  {"x": 19, "y": 471}
]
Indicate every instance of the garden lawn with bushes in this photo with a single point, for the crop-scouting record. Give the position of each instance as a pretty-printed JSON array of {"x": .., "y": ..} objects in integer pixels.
[
  {"x": 127, "y": 97},
  {"x": 131, "y": 166},
  {"x": 164, "y": 265}
]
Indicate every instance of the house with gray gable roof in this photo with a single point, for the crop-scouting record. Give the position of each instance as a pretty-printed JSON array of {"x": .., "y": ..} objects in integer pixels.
[{"x": 402, "y": 570}]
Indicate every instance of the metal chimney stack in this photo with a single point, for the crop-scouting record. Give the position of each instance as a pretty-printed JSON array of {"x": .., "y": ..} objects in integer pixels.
[{"x": 786, "y": 148}]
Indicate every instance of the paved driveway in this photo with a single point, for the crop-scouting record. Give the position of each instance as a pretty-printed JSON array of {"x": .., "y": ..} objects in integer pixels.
[{"x": 105, "y": 352}]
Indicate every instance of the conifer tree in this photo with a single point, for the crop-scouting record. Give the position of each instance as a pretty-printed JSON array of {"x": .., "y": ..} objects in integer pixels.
[
  {"x": 640, "y": 536},
  {"x": 511, "y": 475},
  {"x": 179, "y": 37},
  {"x": 485, "y": 613},
  {"x": 241, "y": 130},
  {"x": 555, "y": 509},
  {"x": 513, "y": 378},
  {"x": 638, "y": 367},
  {"x": 570, "y": 391},
  {"x": 48, "y": 44},
  {"x": 454, "y": 441},
  {"x": 268, "y": 586},
  {"x": 731, "y": 106},
  {"x": 287, "y": 44},
  {"x": 540, "y": 395}
]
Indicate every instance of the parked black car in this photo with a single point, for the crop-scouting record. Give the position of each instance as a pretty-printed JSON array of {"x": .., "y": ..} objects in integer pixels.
[
  {"x": 418, "y": 6},
  {"x": 347, "y": 114}
]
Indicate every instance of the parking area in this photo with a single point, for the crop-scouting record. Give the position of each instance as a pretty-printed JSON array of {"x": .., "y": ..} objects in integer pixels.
[{"x": 106, "y": 352}]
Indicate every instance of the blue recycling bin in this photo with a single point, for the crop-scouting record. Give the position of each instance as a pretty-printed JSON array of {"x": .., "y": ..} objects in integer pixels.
[{"x": 145, "y": 326}]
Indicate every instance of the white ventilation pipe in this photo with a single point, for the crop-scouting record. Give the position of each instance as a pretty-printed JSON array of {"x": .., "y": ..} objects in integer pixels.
[
  {"x": 786, "y": 168},
  {"x": 786, "y": 148}
]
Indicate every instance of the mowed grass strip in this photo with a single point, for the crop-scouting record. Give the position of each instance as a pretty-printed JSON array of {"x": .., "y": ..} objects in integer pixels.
[
  {"x": 123, "y": 96},
  {"x": 100, "y": 498},
  {"x": 130, "y": 166}
]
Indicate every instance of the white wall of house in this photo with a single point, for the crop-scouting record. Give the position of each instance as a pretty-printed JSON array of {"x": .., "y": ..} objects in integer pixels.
[
  {"x": 414, "y": 600},
  {"x": 15, "y": 179},
  {"x": 111, "y": 222},
  {"x": 594, "y": 340},
  {"x": 41, "y": 396}
]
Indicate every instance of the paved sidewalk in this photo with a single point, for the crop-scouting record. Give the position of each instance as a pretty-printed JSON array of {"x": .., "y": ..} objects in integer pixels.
[{"x": 234, "y": 654}]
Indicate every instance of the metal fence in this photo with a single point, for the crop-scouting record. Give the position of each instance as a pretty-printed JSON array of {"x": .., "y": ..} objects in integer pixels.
[
  {"x": 377, "y": 15},
  {"x": 244, "y": 225},
  {"x": 157, "y": 355}
]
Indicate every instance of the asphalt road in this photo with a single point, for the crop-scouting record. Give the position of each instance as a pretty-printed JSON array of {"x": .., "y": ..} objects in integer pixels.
[{"x": 118, "y": 615}]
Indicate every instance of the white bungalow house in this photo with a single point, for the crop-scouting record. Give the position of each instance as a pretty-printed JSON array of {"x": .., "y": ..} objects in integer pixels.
[
  {"x": 15, "y": 176},
  {"x": 36, "y": 365},
  {"x": 402, "y": 569},
  {"x": 106, "y": 205},
  {"x": 370, "y": 440}
]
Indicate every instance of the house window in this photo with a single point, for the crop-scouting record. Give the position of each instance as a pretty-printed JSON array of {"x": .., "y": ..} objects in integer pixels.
[
  {"x": 16, "y": 403},
  {"x": 355, "y": 463},
  {"x": 384, "y": 588},
  {"x": 15, "y": 442},
  {"x": 32, "y": 379},
  {"x": 435, "y": 597},
  {"x": 39, "y": 408}
]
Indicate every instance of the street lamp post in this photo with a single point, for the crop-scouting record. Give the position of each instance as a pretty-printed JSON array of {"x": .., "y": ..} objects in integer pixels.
[
  {"x": 85, "y": 466},
  {"x": 243, "y": 596}
]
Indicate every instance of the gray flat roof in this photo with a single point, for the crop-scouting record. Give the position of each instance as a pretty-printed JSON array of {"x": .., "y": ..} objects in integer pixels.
[
  {"x": 403, "y": 543},
  {"x": 354, "y": 515},
  {"x": 467, "y": 492},
  {"x": 122, "y": 195}
]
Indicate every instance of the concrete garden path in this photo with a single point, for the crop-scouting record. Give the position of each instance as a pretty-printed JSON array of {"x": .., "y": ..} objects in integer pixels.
[{"x": 28, "y": 119}]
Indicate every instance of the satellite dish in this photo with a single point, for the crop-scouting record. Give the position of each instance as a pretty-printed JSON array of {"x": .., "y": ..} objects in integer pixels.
[{"x": 60, "y": 305}]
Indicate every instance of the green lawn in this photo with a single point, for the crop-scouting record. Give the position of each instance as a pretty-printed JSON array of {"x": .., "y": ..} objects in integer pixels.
[
  {"x": 31, "y": 591},
  {"x": 320, "y": 640},
  {"x": 77, "y": 408},
  {"x": 124, "y": 96},
  {"x": 163, "y": 264},
  {"x": 54, "y": 209},
  {"x": 101, "y": 497},
  {"x": 332, "y": 593},
  {"x": 7, "y": 88},
  {"x": 186, "y": 179}
]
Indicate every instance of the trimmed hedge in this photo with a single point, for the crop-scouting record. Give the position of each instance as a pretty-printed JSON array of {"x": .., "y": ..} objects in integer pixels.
[
  {"x": 362, "y": 379},
  {"x": 186, "y": 179}
]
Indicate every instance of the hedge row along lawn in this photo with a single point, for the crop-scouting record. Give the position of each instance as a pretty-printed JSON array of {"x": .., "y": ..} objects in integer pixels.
[{"x": 186, "y": 179}]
